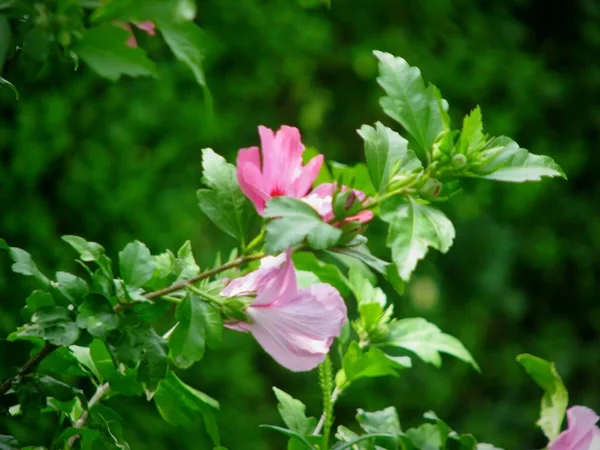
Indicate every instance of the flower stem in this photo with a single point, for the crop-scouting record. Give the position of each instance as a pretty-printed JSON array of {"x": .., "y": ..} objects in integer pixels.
[
  {"x": 209, "y": 298},
  {"x": 329, "y": 398}
]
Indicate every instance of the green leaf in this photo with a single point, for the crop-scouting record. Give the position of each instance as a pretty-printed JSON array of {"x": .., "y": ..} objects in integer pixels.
[
  {"x": 291, "y": 434},
  {"x": 88, "y": 251},
  {"x": 384, "y": 421},
  {"x": 71, "y": 286},
  {"x": 36, "y": 44},
  {"x": 354, "y": 442},
  {"x": 293, "y": 412},
  {"x": 54, "y": 324},
  {"x": 224, "y": 203},
  {"x": 426, "y": 341},
  {"x": 294, "y": 222},
  {"x": 110, "y": 425},
  {"x": 327, "y": 273},
  {"x": 122, "y": 381},
  {"x": 23, "y": 264},
  {"x": 386, "y": 153},
  {"x": 5, "y": 40},
  {"x": 97, "y": 316},
  {"x": 155, "y": 10},
  {"x": 409, "y": 101},
  {"x": 426, "y": 437},
  {"x": 84, "y": 357},
  {"x": 373, "y": 363},
  {"x": 356, "y": 177},
  {"x": 186, "y": 266},
  {"x": 57, "y": 389},
  {"x": 105, "y": 50},
  {"x": 8, "y": 443},
  {"x": 471, "y": 136},
  {"x": 199, "y": 323},
  {"x": 136, "y": 264},
  {"x": 414, "y": 227},
  {"x": 556, "y": 397},
  {"x": 187, "y": 42},
  {"x": 180, "y": 404},
  {"x": 37, "y": 300},
  {"x": 503, "y": 160},
  {"x": 5, "y": 82},
  {"x": 357, "y": 248}
]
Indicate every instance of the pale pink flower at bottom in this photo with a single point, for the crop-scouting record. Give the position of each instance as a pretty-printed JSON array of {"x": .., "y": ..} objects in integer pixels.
[
  {"x": 581, "y": 433},
  {"x": 295, "y": 326},
  {"x": 321, "y": 199}
]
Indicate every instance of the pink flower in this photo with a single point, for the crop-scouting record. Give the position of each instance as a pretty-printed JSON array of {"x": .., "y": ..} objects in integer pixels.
[
  {"x": 581, "y": 433},
  {"x": 148, "y": 27},
  {"x": 321, "y": 199},
  {"x": 276, "y": 169},
  {"x": 295, "y": 326}
]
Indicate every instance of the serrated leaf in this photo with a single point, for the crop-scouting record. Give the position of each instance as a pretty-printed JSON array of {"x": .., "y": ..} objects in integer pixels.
[
  {"x": 427, "y": 341},
  {"x": 54, "y": 324},
  {"x": 503, "y": 160},
  {"x": 224, "y": 203},
  {"x": 187, "y": 42},
  {"x": 71, "y": 286},
  {"x": 471, "y": 136},
  {"x": 96, "y": 315},
  {"x": 136, "y": 264},
  {"x": 23, "y": 264},
  {"x": 295, "y": 221},
  {"x": 386, "y": 153},
  {"x": 185, "y": 263},
  {"x": 105, "y": 50},
  {"x": 556, "y": 397},
  {"x": 414, "y": 227},
  {"x": 409, "y": 101},
  {"x": 180, "y": 404},
  {"x": 293, "y": 412}
]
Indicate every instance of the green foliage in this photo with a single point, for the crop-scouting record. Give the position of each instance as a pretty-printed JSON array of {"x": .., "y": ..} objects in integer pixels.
[
  {"x": 414, "y": 227},
  {"x": 426, "y": 341},
  {"x": 53, "y": 323},
  {"x": 136, "y": 264},
  {"x": 187, "y": 42},
  {"x": 295, "y": 221},
  {"x": 155, "y": 10},
  {"x": 370, "y": 364},
  {"x": 180, "y": 404},
  {"x": 104, "y": 48},
  {"x": 293, "y": 413},
  {"x": 556, "y": 397},
  {"x": 96, "y": 315},
  {"x": 223, "y": 202},
  {"x": 23, "y": 263}
]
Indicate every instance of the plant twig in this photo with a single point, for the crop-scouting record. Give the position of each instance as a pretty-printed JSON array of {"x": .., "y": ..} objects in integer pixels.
[
  {"x": 80, "y": 423},
  {"x": 29, "y": 366}
]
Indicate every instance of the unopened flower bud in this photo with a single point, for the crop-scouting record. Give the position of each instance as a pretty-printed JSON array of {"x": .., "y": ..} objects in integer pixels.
[
  {"x": 459, "y": 161},
  {"x": 431, "y": 189}
]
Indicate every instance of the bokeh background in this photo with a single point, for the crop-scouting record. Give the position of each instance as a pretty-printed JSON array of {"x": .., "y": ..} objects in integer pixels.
[{"x": 120, "y": 161}]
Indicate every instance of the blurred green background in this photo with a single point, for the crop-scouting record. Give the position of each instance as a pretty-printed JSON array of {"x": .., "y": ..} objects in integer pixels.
[{"x": 120, "y": 161}]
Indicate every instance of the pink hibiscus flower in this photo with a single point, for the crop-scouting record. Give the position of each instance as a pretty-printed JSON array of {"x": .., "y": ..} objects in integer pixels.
[
  {"x": 276, "y": 168},
  {"x": 295, "y": 326},
  {"x": 321, "y": 199},
  {"x": 581, "y": 433}
]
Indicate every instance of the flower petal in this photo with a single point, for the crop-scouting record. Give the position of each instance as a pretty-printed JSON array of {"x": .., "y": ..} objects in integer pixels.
[
  {"x": 250, "y": 283},
  {"x": 297, "y": 332},
  {"x": 281, "y": 285},
  {"x": 249, "y": 177},
  {"x": 307, "y": 177},
  {"x": 148, "y": 27},
  {"x": 580, "y": 432}
]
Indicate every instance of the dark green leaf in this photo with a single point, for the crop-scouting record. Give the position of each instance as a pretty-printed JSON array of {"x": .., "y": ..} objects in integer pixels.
[
  {"x": 36, "y": 44},
  {"x": 409, "y": 101},
  {"x": 294, "y": 222},
  {"x": 186, "y": 40},
  {"x": 57, "y": 389},
  {"x": 556, "y": 397},
  {"x": 155, "y": 10},
  {"x": 37, "y": 300},
  {"x": 97, "y": 316},
  {"x": 110, "y": 425},
  {"x": 293, "y": 412},
  {"x": 71, "y": 286},
  {"x": 224, "y": 202},
  {"x": 5, "y": 40},
  {"x": 105, "y": 50},
  {"x": 386, "y": 153},
  {"x": 136, "y": 264},
  {"x": 180, "y": 404},
  {"x": 187, "y": 341},
  {"x": 414, "y": 227},
  {"x": 54, "y": 324},
  {"x": 5, "y": 82},
  {"x": 426, "y": 341},
  {"x": 122, "y": 381}
]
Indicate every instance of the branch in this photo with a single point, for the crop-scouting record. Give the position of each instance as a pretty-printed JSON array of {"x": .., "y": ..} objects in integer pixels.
[
  {"x": 80, "y": 423},
  {"x": 28, "y": 367}
]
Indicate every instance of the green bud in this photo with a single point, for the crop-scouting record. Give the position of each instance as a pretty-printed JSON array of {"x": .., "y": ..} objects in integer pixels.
[
  {"x": 233, "y": 308},
  {"x": 459, "y": 161},
  {"x": 431, "y": 189}
]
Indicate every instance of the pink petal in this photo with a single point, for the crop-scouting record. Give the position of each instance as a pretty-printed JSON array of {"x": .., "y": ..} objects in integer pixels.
[
  {"x": 131, "y": 42},
  {"x": 307, "y": 177},
  {"x": 267, "y": 148},
  {"x": 297, "y": 332},
  {"x": 148, "y": 27},
  {"x": 580, "y": 432},
  {"x": 282, "y": 285},
  {"x": 249, "y": 284},
  {"x": 250, "y": 179}
]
